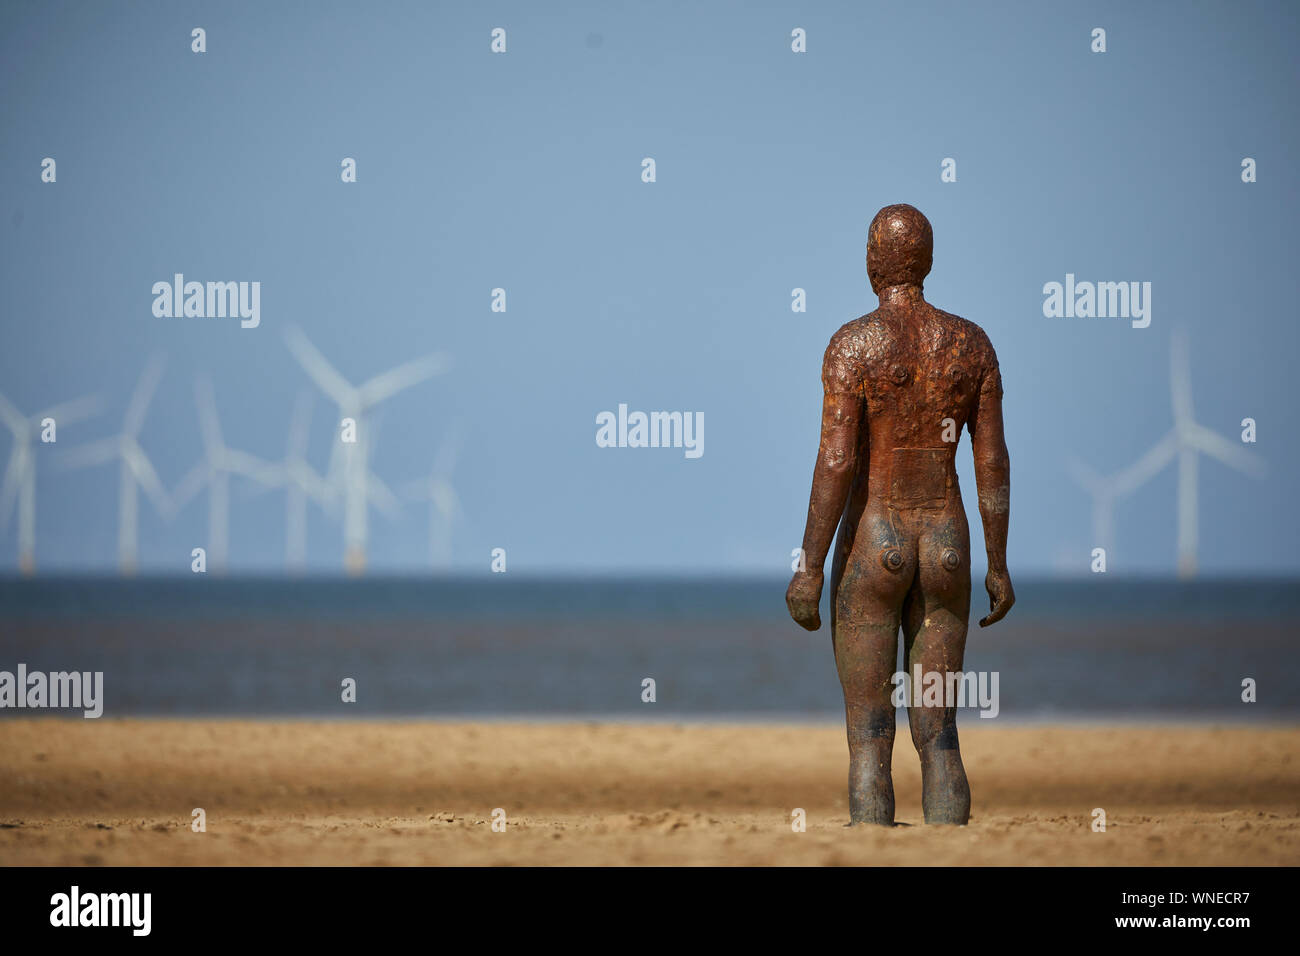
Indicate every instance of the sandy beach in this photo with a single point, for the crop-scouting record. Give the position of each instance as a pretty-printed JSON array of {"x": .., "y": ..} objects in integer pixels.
[{"x": 122, "y": 792}]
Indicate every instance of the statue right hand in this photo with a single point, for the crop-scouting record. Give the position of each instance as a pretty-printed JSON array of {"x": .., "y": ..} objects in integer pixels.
[
  {"x": 803, "y": 598},
  {"x": 1001, "y": 596}
]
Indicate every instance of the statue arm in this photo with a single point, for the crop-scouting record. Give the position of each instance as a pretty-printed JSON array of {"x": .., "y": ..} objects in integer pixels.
[
  {"x": 833, "y": 474},
  {"x": 993, "y": 482}
]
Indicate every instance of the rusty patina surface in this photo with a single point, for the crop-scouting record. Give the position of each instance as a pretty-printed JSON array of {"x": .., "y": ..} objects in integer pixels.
[{"x": 900, "y": 383}]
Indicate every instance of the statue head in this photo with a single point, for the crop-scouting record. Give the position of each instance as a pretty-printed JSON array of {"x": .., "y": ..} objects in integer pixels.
[{"x": 900, "y": 247}]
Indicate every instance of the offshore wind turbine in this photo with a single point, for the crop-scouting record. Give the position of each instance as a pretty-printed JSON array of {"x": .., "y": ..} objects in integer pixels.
[
  {"x": 20, "y": 472},
  {"x": 350, "y": 462},
  {"x": 444, "y": 504},
  {"x": 1184, "y": 442},
  {"x": 213, "y": 471},
  {"x": 301, "y": 484},
  {"x": 1192, "y": 440},
  {"x": 136, "y": 471}
]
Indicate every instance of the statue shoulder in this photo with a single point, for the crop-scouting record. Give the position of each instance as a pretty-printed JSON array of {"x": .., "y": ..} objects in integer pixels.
[
  {"x": 973, "y": 341},
  {"x": 852, "y": 351},
  {"x": 985, "y": 359},
  {"x": 861, "y": 340}
]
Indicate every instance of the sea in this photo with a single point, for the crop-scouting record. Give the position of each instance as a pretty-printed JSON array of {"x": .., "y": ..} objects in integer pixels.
[{"x": 506, "y": 647}]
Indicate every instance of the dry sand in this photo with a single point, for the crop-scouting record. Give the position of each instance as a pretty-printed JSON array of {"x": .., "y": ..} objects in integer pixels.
[{"x": 120, "y": 792}]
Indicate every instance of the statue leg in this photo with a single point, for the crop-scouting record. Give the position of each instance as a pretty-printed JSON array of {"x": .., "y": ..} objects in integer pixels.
[
  {"x": 867, "y": 608},
  {"x": 934, "y": 634}
]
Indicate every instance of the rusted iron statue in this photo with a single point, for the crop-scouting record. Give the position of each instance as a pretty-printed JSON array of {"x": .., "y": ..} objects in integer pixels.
[{"x": 900, "y": 383}]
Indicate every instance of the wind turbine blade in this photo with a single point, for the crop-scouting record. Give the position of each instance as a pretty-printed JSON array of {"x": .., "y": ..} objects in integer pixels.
[
  {"x": 142, "y": 395},
  {"x": 209, "y": 422},
  {"x": 325, "y": 495},
  {"x": 94, "y": 453},
  {"x": 300, "y": 426},
  {"x": 261, "y": 488},
  {"x": 14, "y": 420},
  {"x": 416, "y": 490},
  {"x": 74, "y": 411},
  {"x": 1146, "y": 467},
  {"x": 444, "y": 499},
  {"x": 147, "y": 478},
  {"x": 404, "y": 376},
  {"x": 1083, "y": 476},
  {"x": 318, "y": 367},
  {"x": 1216, "y": 446},
  {"x": 312, "y": 485},
  {"x": 189, "y": 486},
  {"x": 1180, "y": 380},
  {"x": 382, "y": 497},
  {"x": 253, "y": 468}
]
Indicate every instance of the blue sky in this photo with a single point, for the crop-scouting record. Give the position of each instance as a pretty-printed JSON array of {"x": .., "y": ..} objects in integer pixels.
[{"x": 522, "y": 171}]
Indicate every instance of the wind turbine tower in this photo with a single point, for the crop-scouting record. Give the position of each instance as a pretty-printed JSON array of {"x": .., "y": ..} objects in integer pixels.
[{"x": 20, "y": 472}]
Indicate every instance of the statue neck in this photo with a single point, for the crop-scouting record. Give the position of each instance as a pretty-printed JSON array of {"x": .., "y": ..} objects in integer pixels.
[{"x": 906, "y": 294}]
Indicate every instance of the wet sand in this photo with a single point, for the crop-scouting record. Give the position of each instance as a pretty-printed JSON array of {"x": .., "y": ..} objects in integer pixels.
[{"x": 121, "y": 792}]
